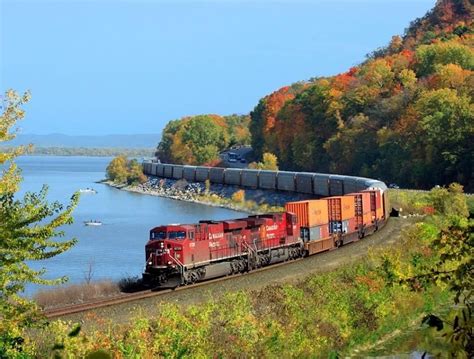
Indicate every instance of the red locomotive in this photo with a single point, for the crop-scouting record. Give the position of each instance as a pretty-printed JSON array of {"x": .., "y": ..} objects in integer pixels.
[
  {"x": 188, "y": 253},
  {"x": 185, "y": 254}
]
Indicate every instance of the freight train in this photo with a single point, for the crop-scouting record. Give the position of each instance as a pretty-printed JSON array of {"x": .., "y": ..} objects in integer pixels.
[
  {"x": 317, "y": 184},
  {"x": 185, "y": 254}
]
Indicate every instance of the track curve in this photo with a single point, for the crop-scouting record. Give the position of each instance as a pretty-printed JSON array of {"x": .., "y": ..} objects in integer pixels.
[
  {"x": 121, "y": 308},
  {"x": 130, "y": 297}
]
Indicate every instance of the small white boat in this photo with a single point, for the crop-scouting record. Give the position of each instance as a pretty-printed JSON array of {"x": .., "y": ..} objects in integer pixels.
[
  {"x": 92, "y": 223},
  {"x": 88, "y": 190}
]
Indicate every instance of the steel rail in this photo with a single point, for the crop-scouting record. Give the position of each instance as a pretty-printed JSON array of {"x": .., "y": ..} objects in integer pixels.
[{"x": 131, "y": 297}]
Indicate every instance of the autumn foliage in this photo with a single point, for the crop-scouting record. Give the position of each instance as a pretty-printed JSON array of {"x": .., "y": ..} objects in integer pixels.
[
  {"x": 199, "y": 139},
  {"x": 404, "y": 115},
  {"x": 122, "y": 170}
]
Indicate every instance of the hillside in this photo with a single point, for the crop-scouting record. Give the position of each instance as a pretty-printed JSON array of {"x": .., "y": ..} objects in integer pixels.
[{"x": 404, "y": 115}]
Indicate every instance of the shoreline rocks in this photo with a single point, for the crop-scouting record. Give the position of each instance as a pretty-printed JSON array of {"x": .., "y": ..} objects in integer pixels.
[{"x": 194, "y": 192}]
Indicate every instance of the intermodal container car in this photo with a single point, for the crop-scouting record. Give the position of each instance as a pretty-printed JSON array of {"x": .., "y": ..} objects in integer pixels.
[
  {"x": 340, "y": 208},
  {"x": 310, "y": 213},
  {"x": 314, "y": 233},
  {"x": 376, "y": 206},
  {"x": 363, "y": 213}
]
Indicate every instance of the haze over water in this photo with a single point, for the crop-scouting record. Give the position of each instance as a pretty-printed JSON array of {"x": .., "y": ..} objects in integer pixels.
[{"x": 115, "y": 249}]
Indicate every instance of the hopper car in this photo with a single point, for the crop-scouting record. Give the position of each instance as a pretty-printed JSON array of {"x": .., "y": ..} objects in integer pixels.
[{"x": 317, "y": 184}]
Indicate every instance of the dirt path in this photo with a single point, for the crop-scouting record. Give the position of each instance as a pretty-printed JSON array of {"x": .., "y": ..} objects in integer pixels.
[{"x": 288, "y": 273}]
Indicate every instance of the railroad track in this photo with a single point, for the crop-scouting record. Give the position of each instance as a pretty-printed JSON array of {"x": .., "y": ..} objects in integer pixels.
[
  {"x": 131, "y": 297},
  {"x": 127, "y": 298}
]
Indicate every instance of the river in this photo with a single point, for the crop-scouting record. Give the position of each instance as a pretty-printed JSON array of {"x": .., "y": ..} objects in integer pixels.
[{"x": 115, "y": 249}]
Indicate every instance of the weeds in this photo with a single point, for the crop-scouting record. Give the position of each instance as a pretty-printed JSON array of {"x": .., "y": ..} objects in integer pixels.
[{"x": 75, "y": 293}]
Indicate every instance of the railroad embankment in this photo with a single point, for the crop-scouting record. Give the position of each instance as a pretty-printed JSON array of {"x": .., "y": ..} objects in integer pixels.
[{"x": 218, "y": 195}]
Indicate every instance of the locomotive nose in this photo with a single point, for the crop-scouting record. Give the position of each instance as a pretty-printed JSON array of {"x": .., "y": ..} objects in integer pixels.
[{"x": 154, "y": 253}]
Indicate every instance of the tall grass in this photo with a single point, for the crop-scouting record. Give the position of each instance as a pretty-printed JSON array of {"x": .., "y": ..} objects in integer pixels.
[{"x": 76, "y": 293}]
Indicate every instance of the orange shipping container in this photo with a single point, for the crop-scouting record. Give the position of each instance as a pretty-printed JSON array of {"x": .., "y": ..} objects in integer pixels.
[
  {"x": 310, "y": 213},
  {"x": 362, "y": 207},
  {"x": 341, "y": 208},
  {"x": 375, "y": 199}
]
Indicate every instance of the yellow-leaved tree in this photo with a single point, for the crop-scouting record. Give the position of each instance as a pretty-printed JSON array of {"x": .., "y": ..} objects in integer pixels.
[
  {"x": 269, "y": 162},
  {"x": 29, "y": 227}
]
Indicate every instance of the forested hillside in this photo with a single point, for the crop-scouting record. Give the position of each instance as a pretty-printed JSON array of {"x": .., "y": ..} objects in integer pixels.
[
  {"x": 199, "y": 139},
  {"x": 404, "y": 115}
]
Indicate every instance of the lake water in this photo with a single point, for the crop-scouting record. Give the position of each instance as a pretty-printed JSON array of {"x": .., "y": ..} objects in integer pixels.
[{"x": 115, "y": 249}]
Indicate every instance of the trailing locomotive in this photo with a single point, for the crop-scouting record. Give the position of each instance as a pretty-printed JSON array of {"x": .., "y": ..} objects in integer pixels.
[{"x": 185, "y": 254}]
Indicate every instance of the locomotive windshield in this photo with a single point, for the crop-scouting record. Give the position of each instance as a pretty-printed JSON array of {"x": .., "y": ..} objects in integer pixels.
[
  {"x": 158, "y": 235},
  {"x": 177, "y": 235},
  {"x": 168, "y": 235}
]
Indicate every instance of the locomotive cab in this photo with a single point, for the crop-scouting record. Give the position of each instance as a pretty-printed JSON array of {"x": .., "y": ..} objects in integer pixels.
[{"x": 165, "y": 251}]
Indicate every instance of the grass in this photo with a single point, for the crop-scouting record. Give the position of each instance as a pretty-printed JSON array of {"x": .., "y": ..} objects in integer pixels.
[
  {"x": 85, "y": 292},
  {"x": 410, "y": 202},
  {"x": 75, "y": 293}
]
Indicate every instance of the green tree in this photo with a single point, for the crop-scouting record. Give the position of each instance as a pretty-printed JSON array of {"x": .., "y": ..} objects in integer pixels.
[
  {"x": 121, "y": 170},
  {"x": 429, "y": 56},
  {"x": 238, "y": 129},
  {"x": 198, "y": 139},
  {"x": 204, "y": 137},
  {"x": 449, "y": 238},
  {"x": 446, "y": 120},
  {"x": 28, "y": 231},
  {"x": 164, "y": 151},
  {"x": 135, "y": 173}
]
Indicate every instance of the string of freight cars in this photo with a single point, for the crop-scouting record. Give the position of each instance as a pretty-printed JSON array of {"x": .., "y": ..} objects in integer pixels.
[
  {"x": 317, "y": 184},
  {"x": 185, "y": 254}
]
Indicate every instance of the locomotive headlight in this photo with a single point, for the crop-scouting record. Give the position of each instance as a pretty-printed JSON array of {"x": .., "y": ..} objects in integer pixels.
[
  {"x": 169, "y": 262},
  {"x": 178, "y": 256},
  {"x": 150, "y": 263},
  {"x": 162, "y": 244}
]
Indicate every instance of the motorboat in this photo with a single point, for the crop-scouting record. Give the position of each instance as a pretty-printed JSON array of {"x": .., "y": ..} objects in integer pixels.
[
  {"x": 88, "y": 190},
  {"x": 92, "y": 223}
]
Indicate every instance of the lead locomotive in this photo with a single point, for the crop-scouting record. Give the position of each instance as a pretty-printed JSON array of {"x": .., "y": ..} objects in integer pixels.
[{"x": 185, "y": 254}]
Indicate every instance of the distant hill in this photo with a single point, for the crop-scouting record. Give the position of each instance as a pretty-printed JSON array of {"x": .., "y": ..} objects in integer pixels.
[{"x": 105, "y": 141}]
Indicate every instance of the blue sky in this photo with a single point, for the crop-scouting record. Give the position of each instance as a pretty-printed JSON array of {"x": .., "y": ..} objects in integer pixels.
[{"x": 103, "y": 66}]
